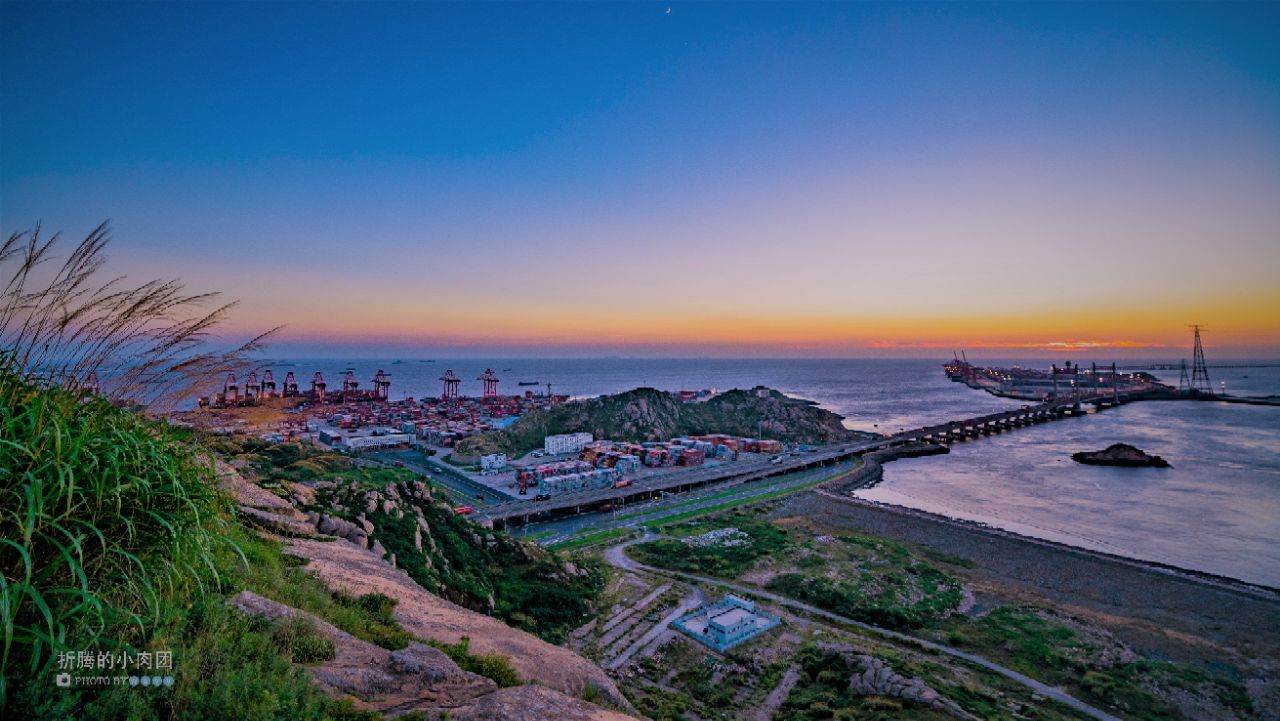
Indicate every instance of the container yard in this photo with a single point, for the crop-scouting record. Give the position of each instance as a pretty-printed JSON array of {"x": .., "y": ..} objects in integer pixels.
[{"x": 355, "y": 419}]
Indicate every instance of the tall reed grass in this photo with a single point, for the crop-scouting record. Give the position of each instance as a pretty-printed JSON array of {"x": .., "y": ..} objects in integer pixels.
[
  {"x": 109, "y": 523},
  {"x": 69, "y": 326}
]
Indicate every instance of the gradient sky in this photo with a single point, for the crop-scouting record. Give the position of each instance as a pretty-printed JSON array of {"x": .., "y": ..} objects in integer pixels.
[{"x": 669, "y": 178}]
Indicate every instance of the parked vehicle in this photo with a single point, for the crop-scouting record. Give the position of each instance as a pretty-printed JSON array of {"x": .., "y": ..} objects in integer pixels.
[{"x": 464, "y": 510}]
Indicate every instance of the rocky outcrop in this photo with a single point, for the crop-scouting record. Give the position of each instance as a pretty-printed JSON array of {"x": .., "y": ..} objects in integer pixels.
[
  {"x": 283, "y": 524},
  {"x": 534, "y": 703},
  {"x": 1119, "y": 454},
  {"x": 426, "y": 615},
  {"x": 421, "y": 678},
  {"x": 417, "y": 677},
  {"x": 261, "y": 508},
  {"x": 334, "y": 526},
  {"x": 878, "y": 678}
]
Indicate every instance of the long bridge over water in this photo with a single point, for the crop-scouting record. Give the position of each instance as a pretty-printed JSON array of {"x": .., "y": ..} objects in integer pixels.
[{"x": 521, "y": 512}]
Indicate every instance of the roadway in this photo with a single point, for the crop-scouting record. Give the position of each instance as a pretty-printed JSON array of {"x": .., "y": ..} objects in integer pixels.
[{"x": 636, "y": 515}]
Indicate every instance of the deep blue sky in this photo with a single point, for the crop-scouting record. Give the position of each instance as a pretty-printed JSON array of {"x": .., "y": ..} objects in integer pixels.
[{"x": 442, "y": 163}]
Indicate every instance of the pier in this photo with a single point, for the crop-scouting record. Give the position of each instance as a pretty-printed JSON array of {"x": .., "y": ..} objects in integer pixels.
[{"x": 503, "y": 515}]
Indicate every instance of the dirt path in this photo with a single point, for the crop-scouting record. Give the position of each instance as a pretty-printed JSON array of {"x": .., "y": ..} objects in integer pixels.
[{"x": 778, "y": 694}]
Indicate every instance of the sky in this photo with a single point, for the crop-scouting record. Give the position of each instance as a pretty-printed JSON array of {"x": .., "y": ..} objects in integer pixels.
[{"x": 669, "y": 179}]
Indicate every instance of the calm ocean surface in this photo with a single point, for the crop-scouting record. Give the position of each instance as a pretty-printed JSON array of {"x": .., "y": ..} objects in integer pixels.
[{"x": 1216, "y": 510}]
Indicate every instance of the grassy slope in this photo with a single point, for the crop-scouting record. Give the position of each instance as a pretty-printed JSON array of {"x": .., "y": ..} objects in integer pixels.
[
  {"x": 646, "y": 414},
  {"x": 115, "y": 539}
]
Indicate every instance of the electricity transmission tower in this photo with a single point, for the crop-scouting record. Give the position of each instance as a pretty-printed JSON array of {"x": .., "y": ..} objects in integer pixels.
[{"x": 1199, "y": 369}]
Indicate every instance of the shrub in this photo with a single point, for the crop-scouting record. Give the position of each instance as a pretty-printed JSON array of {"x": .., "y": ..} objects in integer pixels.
[
  {"x": 302, "y": 641},
  {"x": 498, "y": 668}
]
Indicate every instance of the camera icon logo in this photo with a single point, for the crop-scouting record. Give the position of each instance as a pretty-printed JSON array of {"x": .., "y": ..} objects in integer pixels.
[{"x": 63, "y": 680}]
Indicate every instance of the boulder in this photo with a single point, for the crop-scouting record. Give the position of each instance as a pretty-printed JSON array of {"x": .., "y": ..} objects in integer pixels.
[
  {"x": 877, "y": 678},
  {"x": 285, "y": 524}
]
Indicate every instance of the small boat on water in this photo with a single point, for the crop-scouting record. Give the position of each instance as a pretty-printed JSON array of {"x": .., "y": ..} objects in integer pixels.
[{"x": 528, "y": 383}]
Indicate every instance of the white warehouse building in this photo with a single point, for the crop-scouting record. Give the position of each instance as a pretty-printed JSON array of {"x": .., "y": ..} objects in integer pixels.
[
  {"x": 360, "y": 443},
  {"x": 567, "y": 443}
]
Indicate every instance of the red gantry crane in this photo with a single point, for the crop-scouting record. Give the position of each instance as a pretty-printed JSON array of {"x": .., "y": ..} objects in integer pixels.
[
  {"x": 381, "y": 386},
  {"x": 317, "y": 387},
  {"x": 490, "y": 380},
  {"x": 349, "y": 386},
  {"x": 450, "y": 381},
  {"x": 251, "y": 387}
]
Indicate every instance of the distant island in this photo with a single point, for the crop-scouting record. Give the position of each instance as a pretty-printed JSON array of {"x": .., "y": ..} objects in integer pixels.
[{"x": 1119, "y": 454}]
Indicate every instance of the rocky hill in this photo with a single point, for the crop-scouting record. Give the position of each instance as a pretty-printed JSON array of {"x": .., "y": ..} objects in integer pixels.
[
  {"x": 646, "y": 414},
  {"x": 545, "y": 680}
]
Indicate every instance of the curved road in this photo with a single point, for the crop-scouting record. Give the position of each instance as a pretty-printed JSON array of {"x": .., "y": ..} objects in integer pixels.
[{"x": 617, "y": 557}]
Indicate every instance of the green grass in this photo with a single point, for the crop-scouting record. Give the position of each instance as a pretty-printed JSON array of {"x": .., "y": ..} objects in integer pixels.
[
  {"x": 1032, "y": 641},
  {"x": 107, "y": 524},
  {"x": 591, "y": 539},
  {"x": 763, "y": 539},
  {"x": 665, "y": 521}
]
